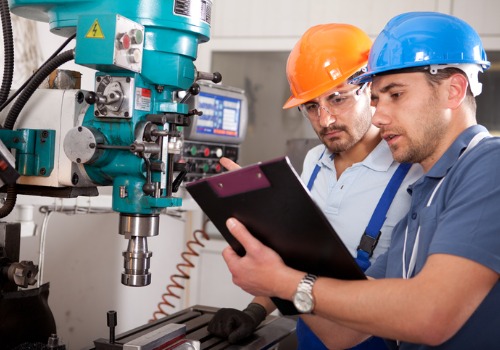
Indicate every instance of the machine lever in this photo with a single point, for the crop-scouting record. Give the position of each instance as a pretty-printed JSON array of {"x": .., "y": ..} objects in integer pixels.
[
  {"x": 194, "y": 112},
  {"x": 92, "y": 98},
  {"x": 112, "y": 324},
  {"x": 148, "y": 188},
  {"x": 215, "y": 77},
  {"x": 193, "y": 90},
  {"x": 180, "y": 166},
  {"x": 177, "y": 119},
  {"x": 178, "y": 180}
]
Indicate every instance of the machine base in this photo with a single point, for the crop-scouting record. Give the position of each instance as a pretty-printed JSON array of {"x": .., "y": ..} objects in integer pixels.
[{"x": 273, "y": 332}]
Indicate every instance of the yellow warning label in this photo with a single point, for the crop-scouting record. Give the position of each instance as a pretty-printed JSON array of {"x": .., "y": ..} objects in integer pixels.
[{"x": 95, "y": 31}]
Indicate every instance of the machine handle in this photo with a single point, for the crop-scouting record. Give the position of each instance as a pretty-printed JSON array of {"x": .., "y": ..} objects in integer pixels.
[
  {"x": 215, "y": 77},
  {"x": 112, "y": 324},
  {"x": 92, "y": 98}
]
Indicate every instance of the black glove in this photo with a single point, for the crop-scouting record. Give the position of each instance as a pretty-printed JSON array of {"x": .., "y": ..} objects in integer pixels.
[{"x": 236, "y": 325}]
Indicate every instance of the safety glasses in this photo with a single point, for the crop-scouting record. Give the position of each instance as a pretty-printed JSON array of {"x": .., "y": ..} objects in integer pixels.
[{"x": 334, "y": 104}]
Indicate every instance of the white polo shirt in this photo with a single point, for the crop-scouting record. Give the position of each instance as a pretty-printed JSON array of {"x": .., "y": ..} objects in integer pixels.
[{"x": 350, "y": 201}]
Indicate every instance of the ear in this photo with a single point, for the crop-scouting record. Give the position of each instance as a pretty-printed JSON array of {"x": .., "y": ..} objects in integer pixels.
[
  {"x": 368, "y": 88},
  {"x": 457, "y": 90}
]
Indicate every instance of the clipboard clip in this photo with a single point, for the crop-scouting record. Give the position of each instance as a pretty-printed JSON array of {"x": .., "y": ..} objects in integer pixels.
[{"x": 243, "y": 180}]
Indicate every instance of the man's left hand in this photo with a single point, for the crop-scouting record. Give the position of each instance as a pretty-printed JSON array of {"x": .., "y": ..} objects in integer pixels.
[{"x": 261, "y": 271}]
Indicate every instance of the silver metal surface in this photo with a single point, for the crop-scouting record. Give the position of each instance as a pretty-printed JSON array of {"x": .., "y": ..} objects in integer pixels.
[
  {"x": 157, "y": 338},
  {"x": 136, "y": 261},
  {"x": 62, "y": 79},
  {"x": 122, "y": 58},
  {"x": 139, "y": 225},
  {"x": 115, "y": 97},
  {"x": 80, "y": 144}
]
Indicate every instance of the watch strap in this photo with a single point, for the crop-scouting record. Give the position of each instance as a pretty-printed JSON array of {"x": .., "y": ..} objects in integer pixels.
[{"x": 307, "y": 282}]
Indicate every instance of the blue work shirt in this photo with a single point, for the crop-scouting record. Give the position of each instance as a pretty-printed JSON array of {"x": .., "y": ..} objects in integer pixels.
[
  {"x": 348, "y": 202},
  {"x": 462, "y": 220}
]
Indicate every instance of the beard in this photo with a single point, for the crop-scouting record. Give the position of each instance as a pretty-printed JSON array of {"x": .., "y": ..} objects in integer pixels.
[
  {"x": 348, "y": 137},
  {"x": 424, "y": 141},
  {"x": 336, "y": 144}
]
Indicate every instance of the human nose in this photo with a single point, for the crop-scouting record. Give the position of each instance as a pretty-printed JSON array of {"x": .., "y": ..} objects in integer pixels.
[
  {"x": 325, "y": 116},
  {"x": 380, "y": 117}
]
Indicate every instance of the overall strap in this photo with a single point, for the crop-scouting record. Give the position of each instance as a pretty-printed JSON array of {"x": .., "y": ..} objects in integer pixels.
[
  {"x": 370, "y": 237},
  {"x": 315, "y": 172}
]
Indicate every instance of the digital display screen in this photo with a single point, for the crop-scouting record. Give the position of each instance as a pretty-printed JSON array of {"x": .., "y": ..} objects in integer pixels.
[{"x": 221, "y": 115}]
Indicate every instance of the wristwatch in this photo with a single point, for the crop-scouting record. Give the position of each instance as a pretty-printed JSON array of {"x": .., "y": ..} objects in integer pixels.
[{"x": 303, "y": 298}]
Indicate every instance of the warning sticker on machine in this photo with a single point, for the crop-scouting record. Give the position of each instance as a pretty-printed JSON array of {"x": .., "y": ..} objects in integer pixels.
[
  {"x": 142, "y": 99},
  {"x": 197, "y": 9},
  {"x": 95, "y": 31}
]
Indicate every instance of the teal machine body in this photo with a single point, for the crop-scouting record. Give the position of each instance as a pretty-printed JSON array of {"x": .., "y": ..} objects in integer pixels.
[{"x": 128, "y": 130}]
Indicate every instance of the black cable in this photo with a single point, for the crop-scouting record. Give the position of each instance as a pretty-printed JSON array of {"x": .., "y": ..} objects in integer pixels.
[
  {"x": 8, "y": 72},
  {"x": 11, "y": 197},
  {"x": 33, "y": 84},
  {"x": 18, "y": 91},
  {"x": 10, "y": 201},
  {"x": 16, "y": 109}
]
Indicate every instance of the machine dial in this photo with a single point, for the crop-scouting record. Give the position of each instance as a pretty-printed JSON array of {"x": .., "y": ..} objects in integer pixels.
[{"x": 80, "y": 144}]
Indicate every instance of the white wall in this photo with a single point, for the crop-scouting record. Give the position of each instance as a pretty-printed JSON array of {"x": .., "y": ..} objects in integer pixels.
[
  {"x": 275, "y": 25},
  {"x": 84, "y": 252}
]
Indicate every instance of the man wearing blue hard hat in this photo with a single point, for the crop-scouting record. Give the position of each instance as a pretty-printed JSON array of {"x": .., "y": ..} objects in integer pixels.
[{"x": 437, "y": 287}]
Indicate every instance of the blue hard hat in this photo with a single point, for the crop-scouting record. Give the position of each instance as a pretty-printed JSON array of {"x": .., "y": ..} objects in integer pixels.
[{"x": 416, "y": 39}]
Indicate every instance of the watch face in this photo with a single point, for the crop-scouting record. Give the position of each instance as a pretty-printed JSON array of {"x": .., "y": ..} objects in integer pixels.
[{"x": 303, "y": 301}]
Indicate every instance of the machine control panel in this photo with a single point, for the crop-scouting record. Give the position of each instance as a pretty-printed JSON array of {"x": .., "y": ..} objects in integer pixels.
[
  {"x": 100, "y": 50},
  {"x": 217, "y": 131},
  {"x": 203, "y": 158}
]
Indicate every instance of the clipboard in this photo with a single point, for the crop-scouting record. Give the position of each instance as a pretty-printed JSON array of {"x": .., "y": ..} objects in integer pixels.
[{"x": 270, "y": 199}]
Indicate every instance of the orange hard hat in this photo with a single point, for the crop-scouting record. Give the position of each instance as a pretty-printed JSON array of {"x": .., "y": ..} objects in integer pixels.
[{"x": 324, "y": 57}]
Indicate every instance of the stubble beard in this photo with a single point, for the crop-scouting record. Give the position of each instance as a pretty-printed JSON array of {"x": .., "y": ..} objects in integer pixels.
[
  {"x": 425, "y": 143},
  {"x": 350, "y": 136},
  {"x": 336, "y": 144}
]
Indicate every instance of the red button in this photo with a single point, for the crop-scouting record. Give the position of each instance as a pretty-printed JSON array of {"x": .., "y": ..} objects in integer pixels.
[{"x": 125, "y": 41}]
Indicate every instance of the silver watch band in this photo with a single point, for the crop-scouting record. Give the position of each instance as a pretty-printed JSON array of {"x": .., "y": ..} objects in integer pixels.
[{"x": 307, "y": 282}]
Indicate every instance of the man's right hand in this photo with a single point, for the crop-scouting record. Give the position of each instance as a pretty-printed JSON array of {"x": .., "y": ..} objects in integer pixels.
[
  {"x": 235, "y": 325},
  {"x": 229, "y": 164}
]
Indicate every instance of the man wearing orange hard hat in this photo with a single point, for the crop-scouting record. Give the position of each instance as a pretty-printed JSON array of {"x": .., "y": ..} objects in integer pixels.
[{"x": 352, "y": 175}]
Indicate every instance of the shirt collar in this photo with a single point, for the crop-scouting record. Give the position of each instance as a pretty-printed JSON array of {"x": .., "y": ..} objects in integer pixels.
[
  {"x": 380, "y": 159},
  {"x": 450, "y": 157}
]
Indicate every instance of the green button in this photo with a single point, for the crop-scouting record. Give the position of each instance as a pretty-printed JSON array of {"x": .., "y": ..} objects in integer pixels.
[{"x": 138, "y": 36}]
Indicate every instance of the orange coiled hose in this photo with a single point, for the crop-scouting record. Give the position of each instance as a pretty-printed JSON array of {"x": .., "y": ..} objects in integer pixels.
[{"x": 183, "y": 269}]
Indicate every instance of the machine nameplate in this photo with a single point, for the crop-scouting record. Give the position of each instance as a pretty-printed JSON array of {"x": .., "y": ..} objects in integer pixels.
[{"x": 189, "y": 8}]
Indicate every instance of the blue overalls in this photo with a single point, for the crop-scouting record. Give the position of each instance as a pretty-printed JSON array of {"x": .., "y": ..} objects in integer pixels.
[{"x": 306, "y": 339}]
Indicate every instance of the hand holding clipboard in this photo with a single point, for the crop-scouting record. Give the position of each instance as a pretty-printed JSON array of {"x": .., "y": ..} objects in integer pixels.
[{"x": 270, "y": 199}]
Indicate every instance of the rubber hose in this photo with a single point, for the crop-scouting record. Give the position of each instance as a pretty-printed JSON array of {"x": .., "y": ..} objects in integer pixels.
[
  {"x": 8, "y": 40},
  {"x": 8, "y": 74},
  {"x": 10, "y": 202}
]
